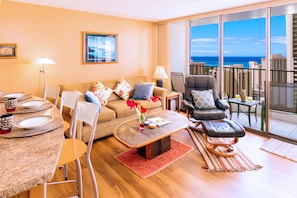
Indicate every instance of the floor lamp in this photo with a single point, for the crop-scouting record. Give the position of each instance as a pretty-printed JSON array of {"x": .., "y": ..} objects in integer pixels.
[
  {"x": 43, "y": 61},
  {"x": 160, "y": 75}
]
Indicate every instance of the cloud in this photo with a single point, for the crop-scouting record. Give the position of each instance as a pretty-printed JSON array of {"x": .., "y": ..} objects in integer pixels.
[
  {"x": 278, "y": 40},
  {"x": 200, "y": 41}
]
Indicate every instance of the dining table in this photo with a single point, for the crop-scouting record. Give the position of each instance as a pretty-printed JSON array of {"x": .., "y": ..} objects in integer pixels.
[{"x": 30, "y": 152}]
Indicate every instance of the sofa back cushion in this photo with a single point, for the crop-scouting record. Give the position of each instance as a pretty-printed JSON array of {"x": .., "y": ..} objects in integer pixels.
[{"x": 87, "y": 86}]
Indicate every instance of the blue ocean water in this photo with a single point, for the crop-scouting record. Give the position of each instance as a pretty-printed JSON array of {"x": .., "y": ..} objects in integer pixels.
[{"x": 228, "y": 60}]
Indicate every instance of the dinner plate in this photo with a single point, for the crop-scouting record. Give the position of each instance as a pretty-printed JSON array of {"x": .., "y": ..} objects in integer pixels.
[
  {"x": 34, "y": 122},
  {"x": 15, "y": 95},
  {"x": 33, "y": 103}
]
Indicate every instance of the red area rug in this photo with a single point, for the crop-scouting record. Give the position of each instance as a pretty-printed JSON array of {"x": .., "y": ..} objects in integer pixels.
[{"x": 145, "y": 168}]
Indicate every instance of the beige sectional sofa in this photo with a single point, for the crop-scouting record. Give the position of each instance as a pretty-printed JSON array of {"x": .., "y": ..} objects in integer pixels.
[{"x": 116, "y": 110}]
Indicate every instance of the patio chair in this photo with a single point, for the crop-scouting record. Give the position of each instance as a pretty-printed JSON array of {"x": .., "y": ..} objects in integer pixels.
[{"x": 178, "y": 85}]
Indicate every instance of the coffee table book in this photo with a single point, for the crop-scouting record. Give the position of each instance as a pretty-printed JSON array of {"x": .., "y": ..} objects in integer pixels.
[{"x": 159, "y": 121}]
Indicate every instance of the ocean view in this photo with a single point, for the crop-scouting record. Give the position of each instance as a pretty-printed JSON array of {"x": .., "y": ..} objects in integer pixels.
[{"x": 228, "y": 60}]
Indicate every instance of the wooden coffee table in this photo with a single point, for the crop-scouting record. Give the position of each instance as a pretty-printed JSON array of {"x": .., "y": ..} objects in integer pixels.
[{"x": 150, "y": 142}]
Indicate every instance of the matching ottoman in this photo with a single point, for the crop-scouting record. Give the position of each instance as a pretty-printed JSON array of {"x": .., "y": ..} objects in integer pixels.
[{"x": 217, "y": 134}]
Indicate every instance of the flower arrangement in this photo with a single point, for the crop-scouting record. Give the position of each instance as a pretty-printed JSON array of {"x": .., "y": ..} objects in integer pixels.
[{"x": 139, "y": 109}]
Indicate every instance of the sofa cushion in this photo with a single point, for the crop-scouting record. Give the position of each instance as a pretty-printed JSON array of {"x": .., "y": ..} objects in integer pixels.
[
  {"x": 123, "y": 89},
  {"x": 203, "y": 99},
  {"x": 106, "y": 114},
  {"x": 120, "y": 107},
  {"x": 102, "y": 92},
  {"x": 143, "y": 91},
  {"x": 149, "y": 104}
]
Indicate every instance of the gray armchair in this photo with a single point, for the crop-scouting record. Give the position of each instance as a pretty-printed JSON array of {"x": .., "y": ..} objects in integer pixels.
[{"x": 193, "y": 101}]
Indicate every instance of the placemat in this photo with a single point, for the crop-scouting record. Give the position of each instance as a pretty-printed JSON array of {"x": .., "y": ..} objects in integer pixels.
[
  {"x": 19, "y": 132},
  {"x": 20, "y": 109},
  {"x": 24, "y": 97}
]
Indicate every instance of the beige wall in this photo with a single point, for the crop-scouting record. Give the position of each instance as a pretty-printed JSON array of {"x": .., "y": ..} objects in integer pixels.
[{"x": 56, "y": 33}]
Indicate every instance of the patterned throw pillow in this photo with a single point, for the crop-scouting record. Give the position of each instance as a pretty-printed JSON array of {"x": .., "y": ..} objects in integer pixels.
[
  {"x": 102, "y": 92},
  {"x": 203, "y": 99},
  {"x": 143, "y": 91},
  {"x": 123, "y": 89}
]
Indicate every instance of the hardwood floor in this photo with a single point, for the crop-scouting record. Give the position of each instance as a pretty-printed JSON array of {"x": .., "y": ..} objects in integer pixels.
[{"x": 185, "y": 178}]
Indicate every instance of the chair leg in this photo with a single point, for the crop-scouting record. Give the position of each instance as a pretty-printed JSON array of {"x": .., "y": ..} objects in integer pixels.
[
  {"x": 79, "y": 178},
  {"x": 44, "y": 190},
  {"x": 65, "y": 171},
  {"x": 93, "y": 177}
]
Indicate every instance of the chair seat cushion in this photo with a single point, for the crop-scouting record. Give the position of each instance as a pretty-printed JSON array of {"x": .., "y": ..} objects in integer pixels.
[
  {"x": 223, "y": 128},
  {"x": 209, "y": 114}
]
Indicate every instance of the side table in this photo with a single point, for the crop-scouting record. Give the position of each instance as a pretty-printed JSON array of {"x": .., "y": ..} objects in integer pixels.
[
  {"x": 171, "y": 96},
  {"x": 251, "y": 104}
]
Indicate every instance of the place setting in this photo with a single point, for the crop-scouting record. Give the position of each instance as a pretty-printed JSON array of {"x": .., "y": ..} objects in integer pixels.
[
  {"x": 13, "y": 106},
  {"x": 27, "y": 127},
  {"x": 20, "y": 96}
]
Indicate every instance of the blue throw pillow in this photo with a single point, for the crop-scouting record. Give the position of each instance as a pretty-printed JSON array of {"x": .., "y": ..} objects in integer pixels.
[
  {"x": 90, "y": 97},
  {"x": 143, "y": 91}
]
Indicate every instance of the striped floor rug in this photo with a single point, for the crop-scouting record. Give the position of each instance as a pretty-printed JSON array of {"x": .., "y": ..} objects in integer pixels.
[
  {"x": 238, "y": 163},
  {"x": 281, "y": 148}
]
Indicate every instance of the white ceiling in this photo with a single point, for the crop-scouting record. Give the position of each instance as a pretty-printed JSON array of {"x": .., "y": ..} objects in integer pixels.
[{"x": 147, "y": 10}]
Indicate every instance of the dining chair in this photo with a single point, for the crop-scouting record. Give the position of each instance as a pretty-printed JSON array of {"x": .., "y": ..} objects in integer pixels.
[
  {"x": 67, "y": 103},
  {"x": 74, "y": 148},
  {"x": 51, "y": 93}
]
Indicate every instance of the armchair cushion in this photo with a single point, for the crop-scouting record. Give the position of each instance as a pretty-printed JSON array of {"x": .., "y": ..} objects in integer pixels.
[{"x": 203, "y": 99}]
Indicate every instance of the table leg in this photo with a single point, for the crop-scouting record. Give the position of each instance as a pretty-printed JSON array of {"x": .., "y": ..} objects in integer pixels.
[
  {"x": 256, "y": 113},
  {"x": 155, "y": 148},
  {"x": 249, "y": 115},
  {"x": 230, "y": 110},
  {"x": 237, "y": 110}
]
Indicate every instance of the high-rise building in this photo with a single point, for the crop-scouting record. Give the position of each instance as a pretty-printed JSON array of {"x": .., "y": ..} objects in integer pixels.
[{"x": 294, "y": 45}]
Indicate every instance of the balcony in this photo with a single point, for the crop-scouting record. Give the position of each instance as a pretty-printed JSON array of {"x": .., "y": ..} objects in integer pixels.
[{"x": 283, "y": 96}]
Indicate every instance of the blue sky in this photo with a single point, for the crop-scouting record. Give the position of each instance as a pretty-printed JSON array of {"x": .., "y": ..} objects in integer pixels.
[{"x": 241, "y": 38}]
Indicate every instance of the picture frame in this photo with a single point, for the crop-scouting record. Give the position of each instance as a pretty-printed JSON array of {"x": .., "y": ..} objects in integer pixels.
[
  {"x": 99, "y": 48},
  {"x": 8, "y": 50}
]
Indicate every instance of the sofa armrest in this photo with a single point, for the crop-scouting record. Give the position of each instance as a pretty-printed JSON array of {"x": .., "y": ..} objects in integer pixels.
[{"x": 162, "y": 93}]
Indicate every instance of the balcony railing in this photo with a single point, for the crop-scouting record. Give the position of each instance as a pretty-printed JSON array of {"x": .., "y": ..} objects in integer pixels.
[{"x": 283, "y": 90}]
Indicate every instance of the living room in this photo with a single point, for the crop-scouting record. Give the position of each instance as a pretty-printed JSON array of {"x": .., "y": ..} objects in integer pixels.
[{"x": 57, "y": 34}]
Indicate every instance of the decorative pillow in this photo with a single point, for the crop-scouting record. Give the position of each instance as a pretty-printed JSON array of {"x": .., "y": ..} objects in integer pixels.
[
  {"x": 102, "y": 92},
  {"x": 203, "y": 99},
  {"x": 90, "y": 97},
  {"x": 143, "y": 91},
  {"x": 123, "y": 89}
]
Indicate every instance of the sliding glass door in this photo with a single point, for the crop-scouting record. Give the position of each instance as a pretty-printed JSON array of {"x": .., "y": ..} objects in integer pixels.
[{"x": 247, "y": 40}]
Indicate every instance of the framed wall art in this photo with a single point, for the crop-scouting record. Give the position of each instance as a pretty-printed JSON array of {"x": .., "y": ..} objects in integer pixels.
[
  {"x": 99, "y": 48},
  {"x": 8, "y": 50}
]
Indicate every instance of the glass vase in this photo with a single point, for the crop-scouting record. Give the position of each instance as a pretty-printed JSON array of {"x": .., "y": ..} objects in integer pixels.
[{"x": 141, "y": 121}]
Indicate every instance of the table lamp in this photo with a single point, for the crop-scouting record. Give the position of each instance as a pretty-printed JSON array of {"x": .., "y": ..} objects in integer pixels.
[
  {"x": 43, "y": 61},
  {"x": 160, "y": 75}
]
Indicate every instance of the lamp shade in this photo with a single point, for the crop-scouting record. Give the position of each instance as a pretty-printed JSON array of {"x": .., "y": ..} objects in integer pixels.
[
  {"x": 160, "y": 73},
  {"x": 45, "y": 61}
]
